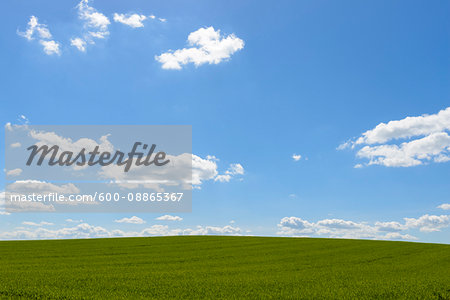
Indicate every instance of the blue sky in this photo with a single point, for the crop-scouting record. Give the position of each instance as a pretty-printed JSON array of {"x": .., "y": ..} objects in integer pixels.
[{"x": 308, "y": 77}]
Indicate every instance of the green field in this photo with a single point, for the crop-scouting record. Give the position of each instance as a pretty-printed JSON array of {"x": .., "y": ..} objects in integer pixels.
[{"x": 211, "y": 267}]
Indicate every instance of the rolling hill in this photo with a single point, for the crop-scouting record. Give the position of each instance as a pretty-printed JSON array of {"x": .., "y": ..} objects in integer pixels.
[{"x": 218, "y": 267}]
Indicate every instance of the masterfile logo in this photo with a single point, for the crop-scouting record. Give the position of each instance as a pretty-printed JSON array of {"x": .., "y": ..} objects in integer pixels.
[{"x": 94, "y": 157}]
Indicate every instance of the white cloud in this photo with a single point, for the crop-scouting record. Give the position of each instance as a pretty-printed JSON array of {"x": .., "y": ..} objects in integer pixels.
[
  {"x": 169, "y": 218},
  {"x": 233, "y": 170},
  {"x": 97, "y": 35},
  {"x": 41, "y": 187},
  {"x": 295, "y": 223},
  {"x": 154, "y": 230},
  {"x": 2, "y": 201},
  {"x": 85, "y": 230},
  {"x": 223, "y": 178},
  {"x": 428, "y": 223},
  {"x": 50, "y": 47},
  {"x": 43, "y": 223},
  {"x": 14, "y": 172},
  {"x": 433, "y": 147},
  {"x": 23, "y": 120},
  {"x": 398, "y": 236},
  {"x": 29, "y": 187},
  {"x": 34, "y": 28},
  {"x": 213, "y": 230},
  {"x": 67, "y": 144},
  {"x": 407, "y": 128},
  {"x": 212, "y": 157},
  {"x": 29, "y": 206},
  {"x": 95, "y": 24},
  {"x": 132, "y": 220},
  {"x": 202, "y": 170},
  {"x": 22, "y": 126},
  {"x": 338, "y": 224},
  {"x": 208, "y": 47},
  {"x": 15, "y": 145},
  {"x": 93, "y": 18},
  {"x": 296, "y": 157},
  {"x": 337, "y": 228},
  {"x": 132, "y": 20},
  {"x": 73, "y": 221},
  {"x": 79, "y": 44},
  {"x": 427, "y": 140},
  {"x": 390, "y": 226},
  {"x": 445, "y": 206}
]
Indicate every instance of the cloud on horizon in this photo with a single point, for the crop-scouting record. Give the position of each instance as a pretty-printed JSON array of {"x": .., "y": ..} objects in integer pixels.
[
  {"x": 338, "y": 228},
  {"x": 85, "y": 230}
]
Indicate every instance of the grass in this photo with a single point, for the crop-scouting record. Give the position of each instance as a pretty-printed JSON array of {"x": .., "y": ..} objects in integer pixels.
[{"x": 212, "y": 267}]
